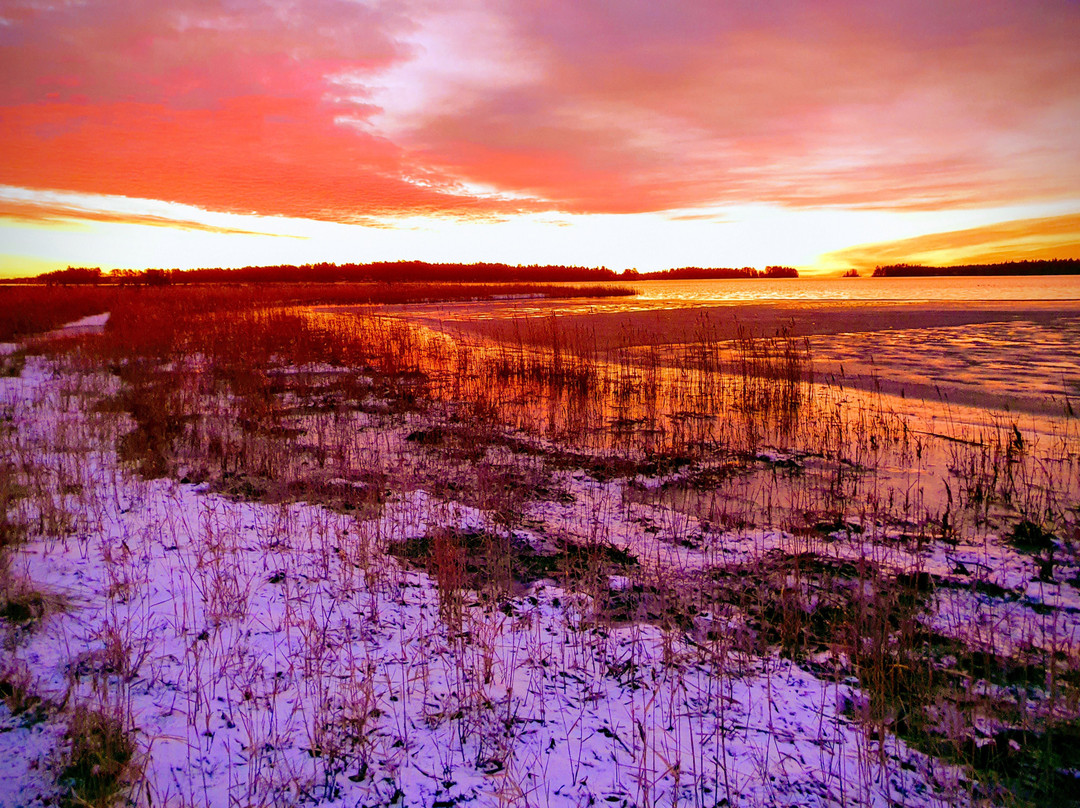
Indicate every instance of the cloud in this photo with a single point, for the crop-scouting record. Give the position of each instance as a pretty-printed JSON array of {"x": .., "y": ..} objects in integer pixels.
[
  {"x": 640, "y": 107},
  {"x": 225, "y": 106},
  {"x": 252, "y": 154},
  {"x": 52, "y": 213},
  {"x": 1024, "y": 239},
  {"x": 338, "y": 109},
  {"x": 190, "y": 53}
]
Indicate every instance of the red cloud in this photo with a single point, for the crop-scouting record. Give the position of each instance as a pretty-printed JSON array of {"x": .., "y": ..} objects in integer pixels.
[
  {"x": 253, "y": 154},
  {"x": 623, "y": 107}
]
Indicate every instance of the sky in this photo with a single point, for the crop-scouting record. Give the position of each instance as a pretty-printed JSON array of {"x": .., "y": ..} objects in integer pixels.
[{"x": 824, "y": 135}]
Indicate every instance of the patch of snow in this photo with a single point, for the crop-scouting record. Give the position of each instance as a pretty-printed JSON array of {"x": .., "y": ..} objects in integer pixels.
[
  {"x": 26, "y": 750},
  {"x": 91, "y": 324}
]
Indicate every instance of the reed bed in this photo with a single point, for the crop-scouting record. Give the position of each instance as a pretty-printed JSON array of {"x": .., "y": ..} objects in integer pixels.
[{"x": 528, "y": 571}]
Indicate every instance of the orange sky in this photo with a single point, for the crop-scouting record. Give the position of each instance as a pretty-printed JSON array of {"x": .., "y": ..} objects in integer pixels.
[{"x": 825, "y": 135}]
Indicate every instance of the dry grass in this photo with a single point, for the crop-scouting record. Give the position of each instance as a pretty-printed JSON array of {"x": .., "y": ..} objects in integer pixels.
[
  {"x": 26, "y": 310},
  {"x": 572, "y": 452},
  {"x": 98, "y": 762}
]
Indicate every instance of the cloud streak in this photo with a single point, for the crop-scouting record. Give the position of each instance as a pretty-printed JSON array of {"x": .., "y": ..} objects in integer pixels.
[
  {"x": 1021, "y": 240},
  {"x": 56, "y": 214}
]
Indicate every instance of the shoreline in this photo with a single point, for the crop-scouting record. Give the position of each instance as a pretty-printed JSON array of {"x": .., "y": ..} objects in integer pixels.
[
  {"x": 904, "y": 350},
  {"x": 805, "y": 319}
]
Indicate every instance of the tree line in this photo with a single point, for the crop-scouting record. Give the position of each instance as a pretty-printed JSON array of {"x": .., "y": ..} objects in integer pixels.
[
  {"x": 1053, "y": 266},
  {"x": 713, "y": 273},
  {"x": 391, "y": 272}
]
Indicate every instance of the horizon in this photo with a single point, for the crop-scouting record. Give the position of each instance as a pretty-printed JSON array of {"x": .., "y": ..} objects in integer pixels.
[
  {"x": 839, "y": 137},
  {"x": 83, "y": 275}
]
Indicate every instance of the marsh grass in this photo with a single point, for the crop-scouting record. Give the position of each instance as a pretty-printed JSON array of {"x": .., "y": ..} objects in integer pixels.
[
  {"x": 502, "y": 565},
  {"x": 23, "y": 607},
  {"x": 99, "y": 757},
  {"x": 31, "y": 309},
  {"x": 13, "y": 528},
  {"x": 12, "y": 364},
  {"x": 598, "y": 471},
  {"x": 18, "y": 694}
]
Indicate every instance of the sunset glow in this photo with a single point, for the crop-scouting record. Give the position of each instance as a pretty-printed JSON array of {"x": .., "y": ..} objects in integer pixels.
[{"x": 645, "y": 135}]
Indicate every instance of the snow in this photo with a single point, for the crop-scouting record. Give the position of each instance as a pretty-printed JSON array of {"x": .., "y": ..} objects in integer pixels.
[
  {"x": 88, "y": 322},
  {"x": 91, "y": 324},
  {"x": 25, "y": 750},
  {"x": 277, "y": 655}
]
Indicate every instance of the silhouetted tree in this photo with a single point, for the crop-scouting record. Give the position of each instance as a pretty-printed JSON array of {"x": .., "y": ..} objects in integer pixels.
[
  {"x": 72, "y": 275},
  {"x": 781, "y": 272}
]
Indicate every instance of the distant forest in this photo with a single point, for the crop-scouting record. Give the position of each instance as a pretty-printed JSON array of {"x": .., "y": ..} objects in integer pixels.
[
  {"x": 713, "y": 273},
  {"x": 1056, "y": 266},
  {"x": 391, "y": 272},
  {"x": 377, "y": 272}
]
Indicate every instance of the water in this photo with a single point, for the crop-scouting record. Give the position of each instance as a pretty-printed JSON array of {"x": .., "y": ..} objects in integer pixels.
[
  {"x": 1002, "y": 342},
  {"x": 1036, "y": 288},
  {"x": 1036, "y": 292},
  {"x": 1034, "y": 366}
]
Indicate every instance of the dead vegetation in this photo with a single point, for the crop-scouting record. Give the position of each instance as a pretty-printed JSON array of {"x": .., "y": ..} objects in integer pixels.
[{"x": 711, "y": 490}]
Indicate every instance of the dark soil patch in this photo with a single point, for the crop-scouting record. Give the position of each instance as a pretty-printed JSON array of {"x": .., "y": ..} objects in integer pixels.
[
  {"x": 23, "y": 608},
  {"x": 1028, "y": 537},
  {"x": 152, "y": 398},
  {"x": 648, "y": 603},
  {"x": 614, "y": 467},
  {"x": 491, "y": 557},
  {"x": 363, "y": 496},
  {"x": 502, "y": 489}
]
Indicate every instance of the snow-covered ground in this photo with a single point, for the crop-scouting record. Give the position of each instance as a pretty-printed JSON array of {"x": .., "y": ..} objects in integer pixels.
[
  {"x": 279, "y": 655},
  {"x": 91, "y": 324}
]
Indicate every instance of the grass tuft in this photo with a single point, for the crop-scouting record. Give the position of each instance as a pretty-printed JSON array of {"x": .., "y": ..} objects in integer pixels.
[
  {"x": 99, "y": 758},
  {"x": 1028, "y": 537},
  {"x": 23, "y": 607}
]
